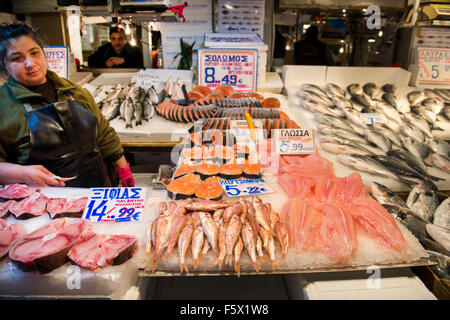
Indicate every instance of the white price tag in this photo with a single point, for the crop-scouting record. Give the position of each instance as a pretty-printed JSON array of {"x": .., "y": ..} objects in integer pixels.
[
  {"x": 115, "y": 204},
  {"x": 239, "y": 128},
  {"x": 370, "y": 118},
  {"x": 245, "y": 187},
  {"x": 434, "y": 65},
  {"x": 294, "y": 141},
  {"x": 57, "y": 58},
  {"x": 230, "y": 67}
]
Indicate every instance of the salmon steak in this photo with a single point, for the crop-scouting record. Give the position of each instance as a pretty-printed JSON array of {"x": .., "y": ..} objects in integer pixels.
[
  {"x": 183, "y": 187},
  {"x": 209, "y": 189}
]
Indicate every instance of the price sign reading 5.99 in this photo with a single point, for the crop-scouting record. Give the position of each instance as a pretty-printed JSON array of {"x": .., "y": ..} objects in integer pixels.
[
  {"x": 115, "y": 204},
  {"x": 229, "y": 67},
  {"x": 294, "y": 141}
]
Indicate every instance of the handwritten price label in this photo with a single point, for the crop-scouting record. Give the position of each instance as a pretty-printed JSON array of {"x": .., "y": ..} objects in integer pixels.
[
  {"x": 433, "y": 65},
  {"x": 370, "y": 118},
  {"x": 115, "y": 204},
  {"x": 245, "y": 187},
  {"x": 294, "y": 141},
  {"x": 240, "y": 129}
]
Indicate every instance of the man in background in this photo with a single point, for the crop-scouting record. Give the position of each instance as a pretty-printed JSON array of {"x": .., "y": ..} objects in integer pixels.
[
  {"x": 311, "y": 51},
  {"x": 117, "y": 53}
]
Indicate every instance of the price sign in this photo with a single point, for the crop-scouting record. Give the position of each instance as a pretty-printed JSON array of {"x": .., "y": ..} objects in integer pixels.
[
  {"x": 241, "y": 131},
  {"x": 115, "y": 204},
  {"x": 230, "y": 67},
  {"x": 434, "y": 65},
  {"x": 294, "y": 141},
  {"x": 245, "y": 187},
  {"x": 58, "y": 60},
  {"x": 370, "y": 118}
]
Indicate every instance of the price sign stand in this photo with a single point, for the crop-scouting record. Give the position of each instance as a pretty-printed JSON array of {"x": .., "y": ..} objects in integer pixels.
[
  {"x": 231, "y": 67},
  {"x": 434, "y": 66}
]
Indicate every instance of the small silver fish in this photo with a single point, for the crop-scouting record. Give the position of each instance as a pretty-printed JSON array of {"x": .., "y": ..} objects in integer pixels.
[
  {"x": 440, "y": 161},
  {"x": 378, "y": 139},
  {"x": 138, "y": 112},
  {"x": 390, "y": 88},
  {"x": 371, "y": 89},
  {"x": 334, "y": 90},
  {"x": 440, "y": 234},
  {"x": 416, "y": 96},
  {"x": 129, "y": 113},
  {"x": 354, "y": 89},
  {"x": 439, "y": 146}
]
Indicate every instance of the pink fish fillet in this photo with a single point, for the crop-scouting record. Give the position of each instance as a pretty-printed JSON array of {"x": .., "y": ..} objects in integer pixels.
[
  {"x": 337, "y": 235},
  {"x": 374, "y": 218}
]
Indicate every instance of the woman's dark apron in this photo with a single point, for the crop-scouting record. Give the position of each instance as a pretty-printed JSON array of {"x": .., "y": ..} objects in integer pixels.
[{"x": 63, "y": 138}]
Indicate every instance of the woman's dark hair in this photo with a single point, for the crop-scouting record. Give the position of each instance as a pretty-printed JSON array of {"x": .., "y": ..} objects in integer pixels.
[{"x": 10, "y": 31}]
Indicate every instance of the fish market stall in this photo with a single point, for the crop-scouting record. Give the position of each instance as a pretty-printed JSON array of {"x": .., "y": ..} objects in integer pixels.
[{"x": 90, "y": 276}]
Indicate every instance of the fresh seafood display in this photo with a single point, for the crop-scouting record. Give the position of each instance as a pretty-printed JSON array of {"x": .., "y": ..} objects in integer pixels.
[
  {"x": 224, "y": 229},
  {"x": 401, "y": 147},
  {"x": 36, "y": 204},
  {"x": 128, "y": 102}
]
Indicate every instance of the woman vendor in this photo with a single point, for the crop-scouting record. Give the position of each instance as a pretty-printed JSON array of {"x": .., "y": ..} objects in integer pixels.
[{"x": 49, "y": 126}]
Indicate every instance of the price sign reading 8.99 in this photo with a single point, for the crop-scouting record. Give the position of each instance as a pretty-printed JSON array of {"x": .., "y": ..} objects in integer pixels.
[
  {"x": 228, "y": 67},
  {"x": 115, "y": 204}
]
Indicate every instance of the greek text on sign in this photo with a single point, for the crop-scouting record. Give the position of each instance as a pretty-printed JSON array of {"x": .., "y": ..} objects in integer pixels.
[
  {"x": 370, "y": 118},
  {"x": 294, "y": 141},
  {"x": 115, "y": 204},
  {"x": 57, "y": 58},
  {"x": 245, "y": 187},
  {"x": 230, "y": 67},
  {"x": 434, "y": 65},
  {"x": 241, "y": 131}
]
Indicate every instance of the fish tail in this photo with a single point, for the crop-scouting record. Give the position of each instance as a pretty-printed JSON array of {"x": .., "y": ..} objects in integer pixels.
[
  {"x": 138, "y": 123},
  {"x": 196, "y": 262},
  {"x": 256, "y": 266},
  {"x": 128, "y": 126},
  {"x": 237, "y": 268}
]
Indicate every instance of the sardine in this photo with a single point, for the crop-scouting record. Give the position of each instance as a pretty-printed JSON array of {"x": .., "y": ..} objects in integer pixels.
[
  {"x": 423, "y": 201},
  {"x": 442, "y": 214},
  {"x": 313, "y": 88},
  {"x": 371, "y": 89},
  {"x": 342, "y": 102},
  {"x": 330, "y": 130}
]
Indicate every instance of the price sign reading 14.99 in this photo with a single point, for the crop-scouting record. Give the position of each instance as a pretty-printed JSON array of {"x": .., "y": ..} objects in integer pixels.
[
  {"x": 294, "y": 141},
  {"x": 229, "y": 67},
  {"x": 115, "y": 204}
]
